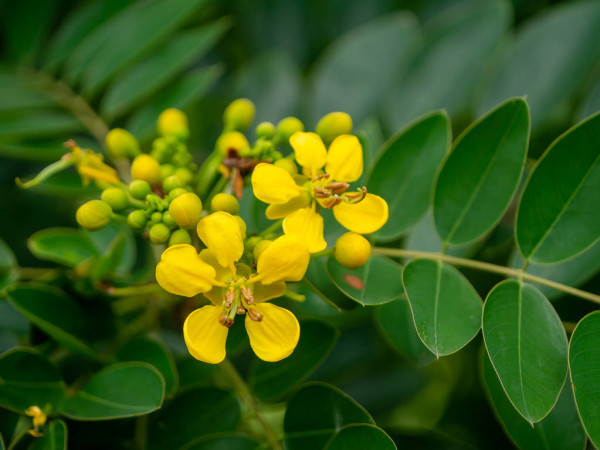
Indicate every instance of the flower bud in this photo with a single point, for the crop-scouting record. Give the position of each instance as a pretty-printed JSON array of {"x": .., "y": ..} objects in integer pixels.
[
  {"x": 166, "y": 170},
  {"x": 156, "y": 217},
  {"x": 242, "y": 225},
  {"x": 181, "y": 159},
  {"x": 287, "y": 127},
  {"x": 137, "y": 219},
  {"x": 172, "y": 182},
  {"x": 180, "y": 237},
  {"x": 265, "y": 130},
  {"x": 94, "y": 215},
  {"x": 121, "y": 144},
  {"x": 225, "y": 202},
  {"x": 139, "y": 189},
  {"x": 185, "y": 175},
  {"x": 145, "y": 167},
  {"x": 168, "y": 220},
  {"x": 333, "y": 125},
  {"x": 176, "y": 193},
  {"x": 261, "y": 247},
  {"x": 288, "y": 165},
  {"x": 115, "y": 197},
  {"x": 239, "y": 114},
  {"x": 173, "y": 122},
  {"x": 232, "y": 140},
  {"x": 186, "y": 210},
  {"x": 251, "y": 242},
  {"x": 352, "y": 250},
  {"x": 159, "y": 233}
]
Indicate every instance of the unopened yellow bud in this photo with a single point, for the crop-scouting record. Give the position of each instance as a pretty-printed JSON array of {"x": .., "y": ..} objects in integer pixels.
[
  {"x": 115, "y": 197},
  {"x": 287, "y": 127},
  {"x": 232, "y": 140},
  {"x": 265, "y": 130},
  {"x": 93, "y": 215},
  {"x": 261, "y": 247},
  {"x": 186, "y": 210},
  {"x": 121, "y": 144},
  {"x": 288, "y": 165},
  {"x": 239, "y": 114},
  {"x": 333, "y": 125},
  {"x": 225, "y": 202},
  {"x": 145, "y": 167},
  {"x": 352, "y": 250},
  {"x": 242, "y": 225},
  {"x": 173, "y": 122}
]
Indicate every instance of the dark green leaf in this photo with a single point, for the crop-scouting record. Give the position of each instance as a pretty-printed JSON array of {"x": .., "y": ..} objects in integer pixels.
[
  {"x": 193, "y": 373},
  {"x": 270, "y": 380},
  {"x": 359, "y": 437},
  {"x": 591, "y": 104},
  {"x": 118, "y": 391},
  {"x": 558, "y": 213},
  {"x": 482, "y": 173},
  {"x": 446, "y": 309},
  {"x": 8, "y": 265},
  {"x": 227, "y": 442},
  {"x": 116, "y": 242},
  {"x": 27, "y": 379},
  {"x": 16, "y": 94},
  {"x": 318, "y": 280},
  {"x": 66, "y": 246},
  {"x": 316, "y": 412},
  {"x": 404, "y": 172},
  {"x": 54, "y": 438},
  {"x": 38, "y": 123},
  {"x": 527, "y": 346},
  {"x": 45, "y": 149},
  {"x": 584, "y": 362}
]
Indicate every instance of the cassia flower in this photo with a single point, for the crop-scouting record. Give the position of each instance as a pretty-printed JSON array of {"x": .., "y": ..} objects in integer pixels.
[
  {"x": 91, "y": 167},
  {"x": 234, "y": 289},
  {"x": 324, "y": 184}
]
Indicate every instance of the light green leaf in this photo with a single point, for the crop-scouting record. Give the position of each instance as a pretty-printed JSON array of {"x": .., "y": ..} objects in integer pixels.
[
  {"x": 445, "y": 307},
  {"x": 269, "y": 380},
  {"x": 377, "y": 51},
  {"x": 27, "y": 379},
  {"x": 527, "y": 346},
  {"x": 482, "y": 173},
  {"x": 560, "y": 430},
  {"x": 584, "y": 363},
  {"x": 558, "y": 214},
  {"x": 316, "y": 412},
  {"x": 118, "y": 391},
  {"x": 552, "y": 54},
  {"x": 404, "y": 172},
  {"x": 39, "y": 123},
  {"x": 378, "y": 281},
  {"x": 54, "y": 438},
  {"x": 66, "y": 246},
  {"x": 359, "y": 437}
]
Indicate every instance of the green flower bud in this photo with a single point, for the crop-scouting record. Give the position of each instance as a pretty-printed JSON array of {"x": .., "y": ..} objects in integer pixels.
[
  {"x": 145, "y": 167},
  {"x": 137, "y": 219},
  {"x": 172, "y": 182},
  {"x": 185, "y": 175},
  {"x": 261, "y": 247},
  {"x": 186, "y": 210},
  {"x": 176, "y": 193},
  {"x": 166, "y": 170},
  {"x": 352, "y": 250},
  {"x": 159, "y": 233},
  {"x": 168, "y": 220},
  {"x": 287, "y": 127},
  {"x": 121, "y": 144},
  {"x": 265, "y": 130},
  {"x": 251, "y": 242},
  {"x": 333, "y": 125},
  {"x": 180, "y": 237},
  {"x": 239, "y": 114},
  {"x": 94, "y": 215},
  {"x": 156, "y": 217},
  {"x": 115, "y": 197},
  {"x": 173, "y": 122},
  {"x": 181, "y": 159},
  {"x": 225, "y": 202},
  {"x": 139, "y": 189},
  {"x": 288, "y": 165}
]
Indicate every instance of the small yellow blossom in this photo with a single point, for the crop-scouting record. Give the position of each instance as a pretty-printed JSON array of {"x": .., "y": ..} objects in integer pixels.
[
  {"x": 38, "y": 419},
  {"x": 90, "y": 165}
]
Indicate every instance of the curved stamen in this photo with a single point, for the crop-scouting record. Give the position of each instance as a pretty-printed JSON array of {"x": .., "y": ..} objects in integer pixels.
[{"x": 352, "y": 199}]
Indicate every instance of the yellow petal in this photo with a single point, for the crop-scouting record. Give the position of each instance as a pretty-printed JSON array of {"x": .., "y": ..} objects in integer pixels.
[
  {"x": 363, "y": 217},
  {"x": 264, "y": 292},
  {"x": 223, "y": 274},
  {"x": 182, "y": 272},
  {"x": 345, "y": 159},
  {"x": 221, "y": 233},
  {"x": 285, "y": 259},
  {"x": 204, "y": 336},
  {"x": 272, "y": 184},
  {"x": 280, "y": 210},
  {"x": 307, "y": 224},
  {"x": 276, "y": 336},
  {"x": 310, "y": 150}
]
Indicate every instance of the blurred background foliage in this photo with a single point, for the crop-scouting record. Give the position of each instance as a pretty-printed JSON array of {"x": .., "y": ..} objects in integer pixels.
[{"x": 72, "y": 69}]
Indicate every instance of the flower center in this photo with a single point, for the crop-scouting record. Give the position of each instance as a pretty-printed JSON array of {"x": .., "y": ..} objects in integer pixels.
[
  {"x": 237, "y": 300},
  {"x": 333, "y": 193}
]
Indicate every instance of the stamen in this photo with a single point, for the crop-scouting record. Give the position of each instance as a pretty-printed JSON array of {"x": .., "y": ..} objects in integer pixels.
[
  {"x": 332, "y": 201},
  {"x": 247, "y": 293},
  {"x": 338, "y": 187},
  {"x": 241, "y": 310},
  {"x": 225, "y": 321},
  {"x": 229, "y": 298},
  {"x": 255, "y": 315},
  {"x": 320, "y": 192},
  {"x": 320, "y": 177},
  {"x": 352, "y": 199}
]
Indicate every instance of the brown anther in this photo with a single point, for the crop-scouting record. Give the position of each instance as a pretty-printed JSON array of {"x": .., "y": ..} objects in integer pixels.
[
  {"x": 240, "y": 310},
  {"x": 358, "y": 197},
  {"x": 337, "y": 187},
  {"x": 247, "y": 293},
  {"x": 321, "y": 177},
  {"x": 332, "y": 201},
  {"x": 70, "y": 144},
  {"x": 229, "y": 297},
  {"x": 225, "y": 321},
  {"x": 321, "y": 192},
  {"x": 255, "y": 315}
]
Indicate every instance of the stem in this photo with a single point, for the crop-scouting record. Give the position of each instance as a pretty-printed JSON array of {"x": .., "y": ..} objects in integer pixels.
[
  {"x": 134, "y": 290},
  {"x": 273, "y": 228},
  {"x": 250, "y": 402},
  {"x": 141, "y": 432},
  {"x": 488, "y": 267},
  {"x": 326, "y": 252}
]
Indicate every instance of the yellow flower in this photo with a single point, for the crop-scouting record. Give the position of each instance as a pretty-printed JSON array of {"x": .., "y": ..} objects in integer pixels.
[
  {"x": 325, "y": 184},
  {"x": 91, "y": 167},
  {"x": 234, "y": 289}
]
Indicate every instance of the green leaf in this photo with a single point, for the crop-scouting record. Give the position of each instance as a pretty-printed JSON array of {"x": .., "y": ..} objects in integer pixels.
[
  {"x": 16, "y": 93},
  {"x": 552, "y": 54},
  {"x": 445, "y": 307},
  {"x": 52, "y": 311},
  {"x": 269, "y": 380},
  {"x": 482, "y": 173},
  {"x": 29, "y": 379},
  {"x": 404, "y": 172},
  {"x": 161, "y": 67},
  {"x": 153, "y": 352},
  {"x": 378, "y": 281},
  {"x": 8, "y": 265},
  {"x": 527, "y": 346},
  {"x": 39, "y": 123},
  {"x": 584, "y": 363},
  {"x": 116, "y": 242},
  {"x": 318, "y": 280},
  {"x": 317, "y": 412},
  {"x": 377, "y": 52},
  {"x": 590, "y": 104},
  {"x": 121, "y": 390},
  {"x": 558, "y": 214},
  {"x": 445, "y": 72},
  {"x": 193, "y": 373},
  {"x": 359, "y": 437},
  {"x": 229, "y": 442},
  {"x": 54, "y": 438},
  {"x": 561, "y": 429},
  {"x": 45, "y": 149},
  {"x": 397, "y": 325},
  {"x": 193, "y": 415},
  {"x": 66, "y": 246}
]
